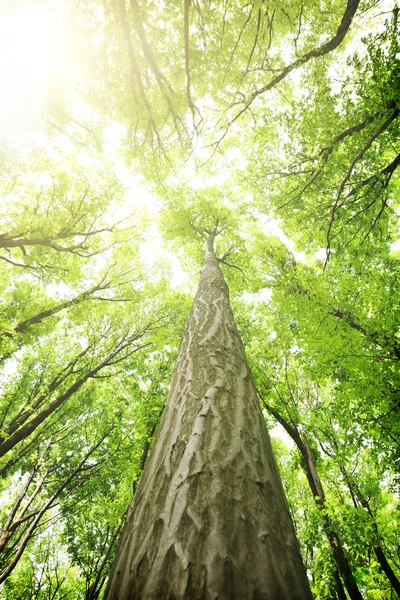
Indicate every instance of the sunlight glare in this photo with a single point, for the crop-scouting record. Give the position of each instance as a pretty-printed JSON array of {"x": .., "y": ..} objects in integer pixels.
[{"x": 32, "y": 53}]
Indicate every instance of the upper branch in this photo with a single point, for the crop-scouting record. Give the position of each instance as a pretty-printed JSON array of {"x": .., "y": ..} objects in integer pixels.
[
  {"x": 333, "y": 43},
  {"x": 187, "y": 58}
]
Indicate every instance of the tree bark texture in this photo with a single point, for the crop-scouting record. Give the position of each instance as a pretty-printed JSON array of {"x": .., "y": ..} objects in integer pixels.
[{"x": 209, "y": 519}]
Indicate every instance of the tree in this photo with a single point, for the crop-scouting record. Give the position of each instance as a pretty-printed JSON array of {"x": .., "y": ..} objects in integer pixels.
[
  {"x": 209, "y": 517},
  {"x": 234, "y": 110}
]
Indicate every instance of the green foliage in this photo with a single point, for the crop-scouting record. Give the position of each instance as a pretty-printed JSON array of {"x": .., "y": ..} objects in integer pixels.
[{"x": 301, "y": 182}]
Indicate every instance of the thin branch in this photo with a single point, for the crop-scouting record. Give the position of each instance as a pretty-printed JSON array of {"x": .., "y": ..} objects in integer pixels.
[
  {"x": 187, "y": 58},
  {"x": 332, "y": 44},
  {"x": 359, "y": 156}
]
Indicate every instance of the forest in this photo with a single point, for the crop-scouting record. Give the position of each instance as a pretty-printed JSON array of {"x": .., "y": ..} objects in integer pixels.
[{"x": 131, "y": 133}]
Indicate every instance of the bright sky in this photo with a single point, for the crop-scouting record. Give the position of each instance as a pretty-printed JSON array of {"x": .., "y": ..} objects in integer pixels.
[{"x": 33, "y": 52}]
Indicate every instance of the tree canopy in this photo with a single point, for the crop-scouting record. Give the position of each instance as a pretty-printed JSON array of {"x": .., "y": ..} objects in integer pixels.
[{"x": 144, "y": 124}]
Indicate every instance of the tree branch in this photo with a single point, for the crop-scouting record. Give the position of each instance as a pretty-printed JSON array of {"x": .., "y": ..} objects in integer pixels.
[{"x": 332, "y": 44}]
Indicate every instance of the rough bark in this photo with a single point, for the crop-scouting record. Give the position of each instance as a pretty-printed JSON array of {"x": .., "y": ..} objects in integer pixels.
[{"x": 209, "y": 519}]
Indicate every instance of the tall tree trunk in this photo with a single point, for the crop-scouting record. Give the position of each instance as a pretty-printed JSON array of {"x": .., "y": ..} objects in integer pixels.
[{"x": 209, "y": 519}]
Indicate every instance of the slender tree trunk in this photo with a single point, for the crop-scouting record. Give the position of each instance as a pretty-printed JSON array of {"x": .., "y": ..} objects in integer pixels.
[
  {"x": 387, "y": 569},
  {"x": 340, "y": 593},
  {"x": 334, "y": 541},
  {"x": 379, "y": 553},
  {"x": 37, "y": 515},
  {"x": 94, "y": 590},
  {"x": 209, "y": 519},
  {"x": 317, "y": 490}
]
